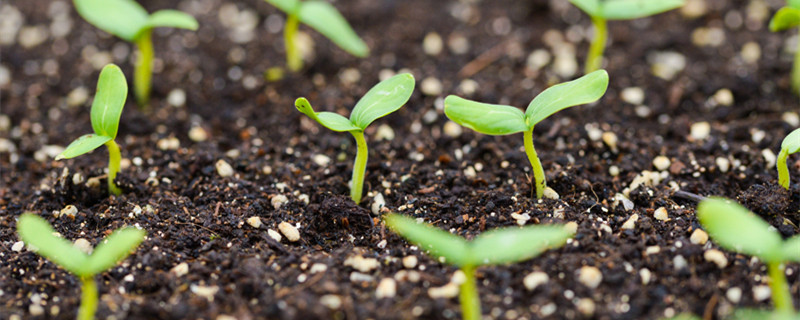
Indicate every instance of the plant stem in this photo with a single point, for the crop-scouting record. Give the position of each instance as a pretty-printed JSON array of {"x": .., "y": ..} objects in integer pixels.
[
  {"x": 783, "y": 170},
  {"x": 143, "y": 72},
  {"x": 796, "y": 71},
  {"x": 595, "y": 57},
  {"x": 359, "y": 167},
  {"x": 538, "y": 171},
  {"x": 468, "y": 296},
  {"x": 88, "y": 299},
  {"x": 293, "y": 58},
  {"x": 114, "y": 158},
  {"x": 781, "y": 297}
]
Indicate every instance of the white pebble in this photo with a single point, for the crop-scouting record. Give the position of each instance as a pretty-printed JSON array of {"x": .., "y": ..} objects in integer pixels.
[
  {"x": 77, "y": 96},
  {"x": 590, "y": 276},
  {"x": 274, "y": 235},
  {"x": 572, "y": 227},
  {"x": 432, "y": 44},
  {"x": 385, "y": 132},
  {"x": 431, "y": 86},
  {"x": 661, "y": 214},
  {"x": 331, "y": 301},
  {"x": 585, "y": 306},
  {"x": 409, "y": 262},
  {"x": 69, "y": 211},
  {"x": 452, "y": 129},
  {"x": 723, "y": 164},
  {"x": 734, "y": 294},
  {"x": 198, "y": 134},
  {"x": 549, "y": 193},
  {"x": 661, "y": 163},
  {"x": 278, "y": 201},
  {"x": 535, "y": 279},
  {"x": 769, "y": 157},
  {"x": 645, "y": 274},
  {"x": 176, "y": 98},
  {"x": 378, "y": 202},
  {"x": 223, "y": 168},
  {"x": 469, "y": 172},
  {"x": 698, "y": 237},
  {"x": 468, "y": 86},
  {"x": 631, "y": 222},
  {"x": 387, "y": 288},
  {"x": 450, "y": 290},
  {"x": 289, "y": 231},
  {"x": 792, "y": 118},
  {"x": 83, "y": 245},
  {"x": 17, "y": 246},
  {"x": 679, "y": 262},
  {"x": 610, "y": 139},
  {"x": 362, "y": 264},
  {"x": 761, "y": 293},
  {"x": 613, "y": 171},
  {"x": 318, "y": 267},
  {"x": 700, "y": 130},
  {"x": 717, "y": 257},
  {"x": 254, "y": 222},
  {"x": 723, "y": 97},
  {"x": 651, "y": 250},
  {"x": 321, "y": 160},
  {"x": 180, "y": 270},
  {"x": 633, "y": 95}
]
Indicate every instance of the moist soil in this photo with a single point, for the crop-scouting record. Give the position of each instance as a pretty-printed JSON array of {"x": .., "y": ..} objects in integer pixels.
[{"x": 290, "y": 169}]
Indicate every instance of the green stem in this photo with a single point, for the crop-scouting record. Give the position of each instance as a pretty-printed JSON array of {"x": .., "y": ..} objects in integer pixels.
[
  {"x": 468, "y": 296},
  {"x": 796, "y": 71},
  {"x": 143, "y": 72},
  {"x": 781, "y": 297},
  {"x": 114, "y": 158},
  {"x": 595, "y": 57},
  {"x": 783, "y": 170},
  {"x": 538, "y": 171},
  {"x": 293, "y": 58},
  {"x": 88, "y": 299},
  {"x": 359, "y": 167}
]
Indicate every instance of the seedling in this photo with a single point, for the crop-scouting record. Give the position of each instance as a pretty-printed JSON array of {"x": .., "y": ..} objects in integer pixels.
[
  {"x": 500, "y": 246},
  {"x": 36, "y": 232},
  {"x": 131, "y": 22},
  {"x": 320, "y": 16},
  {"x": 384, "y": 98},
  {"x": 112, "y": 90},
  {"x": 603, "y": 10},
  {"x": 790, "y": 145},
  {"x": 494, "y": 119},
  {"x": 735, "y": 228},
  {"x": 786, "y": 18}
]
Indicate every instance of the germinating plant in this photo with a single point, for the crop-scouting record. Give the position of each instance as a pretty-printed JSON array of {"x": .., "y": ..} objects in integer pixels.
[
  {"x": 323, "y": 17},
  {"x": 786, "y": 18},
  {"x": 36, "y": 232},
  {"x": 131, "y": 22},
  {"x": 112, "y": 90},
  {"x": 384, "y": 98},
  {"x": 603, "y": 10},
  {"x": 500, "y": 246},
  {"x": 735, "y": 228},
  {"x": 494, "y": 119},
  {"x": 790, "y": 145}
]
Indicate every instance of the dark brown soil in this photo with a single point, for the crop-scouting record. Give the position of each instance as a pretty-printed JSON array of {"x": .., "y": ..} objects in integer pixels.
[{"x": 195, "y": 216}]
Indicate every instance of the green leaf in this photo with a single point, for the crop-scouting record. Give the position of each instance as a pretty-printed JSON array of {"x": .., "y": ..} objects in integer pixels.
[
  {"x": 36, "y": 231},
  {"x": 586, "y": 89},
  {"x": 437, "y": 242},
  {"x": 792, "y": 142},
  {"x": 791, "y": 249},
  {"x": 112, "y": 90},
  {"x": 793, "y": 4},
  {"x": 785, "y": 18},
  {"x": 516, "y": 244},
  {"x": 172, "y": 19},
  {"x": 751, "y": 314},
  {"x": 122, "y": 18},
  {"x": 114, "y": 248},
  {"x": 634, "y": 9},
  {"x": 288, "y": 6},
  {"x": 323, "y": 17},
  {"x": 329, "y": 120},
  {"x": 384, "y": 98},
  {"x": 591, "y": 7},
  {"x": 493, "y": 119},
  {"x": 735, "y": 228},
  {"x": 85, "y": 144}
]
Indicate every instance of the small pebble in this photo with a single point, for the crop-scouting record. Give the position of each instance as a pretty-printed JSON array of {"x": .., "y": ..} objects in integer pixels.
[
  {"x": 69, "y": 211},
  {"x": 667, "y": 64},
  {"x": 223, "y": 168},
  {"x": 458, "y": 44},
  {"x": 278, "y": 201},
  {"x": 378, "y": 202},
  {"x": 761, "y": 293},
  {"x": 198, "y": 134},
  {"x": 349, "y": 76},
  {"x": 549, "y": 193},
  {"x": 613, "y": 171},
  {"x": 409, "y": 262},
  {"x": 585, "y": 306},
  {"x": 645, "y": 274},
  {"x": 289, "y": 231},
  {"x": 535, "y": 279},
  {"x": 717, "y": 257},
  {"x": 651, "y": 250},
  {"x": 631, "y": 222},
  {"x": 751, "y": 52},
  {"x": 450, "y": 290},
  {"x": 17, "y": 246},
  {"x": 77, "y": 96},
  {"x": 469, "y": 172},
  {"x": 769, "y": 157},
  {"x": 274, "y": 235},
  {"x": 321, "y": 160},
  {"x": 723, "y": 164},
  {"x": 633, "y": 95},
  {"x": 572, "y": 227},
  {"x": 181, "y": 269},
  {"x": 610, "y": 139},
  {"x": 792, "y": 118},
  {"x": 318, "y": 267},
  {"x": 700, "y": 130},
  {"x": 734, "y": 294},
  {"x": 452, "y": 129},
  {"x": 176, "y": 98},
  {"x": 254, "y": 222},
  {"x": 468, "y": 86},
  {"x": 362, "y": 264},
  {"x": 169, "y": 143},
  {"x": 538, "y": 59},
  {"x": 83, "y": 245},
  {"x": 432, "y": 44},
  {"x": 661, "y": 163},
  {"x": 661, "y": 214},
  {"x": 331, "y": 301},
  {"x": 356, "y": 276},
  {"x": 385, "y": 132},
  {"x": 590, "y": 276},
  {"x": 679, "y": 262},
  {"x": 698, "y": 237},
  {"x": 431, "y": 86},
  {"x": 387, "y": 288}
]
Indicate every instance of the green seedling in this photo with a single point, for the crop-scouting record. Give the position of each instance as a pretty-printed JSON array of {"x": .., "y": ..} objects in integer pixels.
[
  {"x": 131, "y": 22},
  {"x": 500, "y": 246},
  {"x": 735, "y": 228},
  {"x": 790, "y": 145},
  {"x": 786, "y": 18},
  {"x": 36, "y": 232},
  {"x": 494, "y": 119},
  {"x": 603, "y": 10},
  {"x": 384, "y": 98},
  {"x": 112, "y": 90},
  {"x": 320, "y": 16}
]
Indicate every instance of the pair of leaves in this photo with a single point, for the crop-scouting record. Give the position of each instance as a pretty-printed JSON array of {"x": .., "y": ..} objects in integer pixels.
[
  {"x": 787, "y": 17},
  {"x": 127, "y": 19},
  {"x": 384, "y": 98},
  {"x": 735, "y": 228},
  {"x": 325, "y": 19},
  {"x": 494, "y": 119},
  {"x": 792, "y": 142},
  {"x": 498, "y": 246},
  {"x": 112, "y": 90},
  {"x": 35, "y": 231},
  {"x": 625, "y": 9}
]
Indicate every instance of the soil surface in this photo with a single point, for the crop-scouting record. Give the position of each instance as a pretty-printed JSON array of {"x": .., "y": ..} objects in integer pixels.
[{"x": 205, "y": 259}]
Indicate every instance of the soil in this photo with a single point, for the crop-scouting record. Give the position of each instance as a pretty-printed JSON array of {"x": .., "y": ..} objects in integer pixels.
[{"x": 466, "y": 182}]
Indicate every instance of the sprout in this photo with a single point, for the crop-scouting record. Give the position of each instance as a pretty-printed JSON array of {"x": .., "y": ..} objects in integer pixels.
[
  {"x": 735, "y": 228},
  {"x": 323, "y": 17},
  {"x": 500, "y": 246},
  {"x": 112, "y": 90},
  {"x": 384, "y": 98},
  {"x": 128, "y": 20},
  {"x": 493, "y": 119},
  {"x": 36, "y": 232},
  {"x": 790, "y": 145},
  {"x": 786, "y": 18},
  {"x": 602, "y": 10}
]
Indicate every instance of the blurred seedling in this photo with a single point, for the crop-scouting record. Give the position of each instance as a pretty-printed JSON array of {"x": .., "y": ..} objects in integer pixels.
[
  {"x": 790, "y": 145},
  {"x": 786, "y": 18}
]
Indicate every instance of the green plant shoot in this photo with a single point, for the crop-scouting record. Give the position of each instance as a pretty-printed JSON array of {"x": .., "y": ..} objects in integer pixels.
[
  {"x": 786, "y": 18},
  {"x": 323, "y": 17},
  {"x": 790, "y": 145},
  {"x": 493, "y": 119},
  {"x": 131, "y": 22},
  {"x": 112, "y": 90},
  {"x": 36, "y": 232},
  {"x": 384, "y": 98},
  {"x": 500, "y": 246},
  {"x": 603, "y": 10},
  {"x": 735, "y": 228}
]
